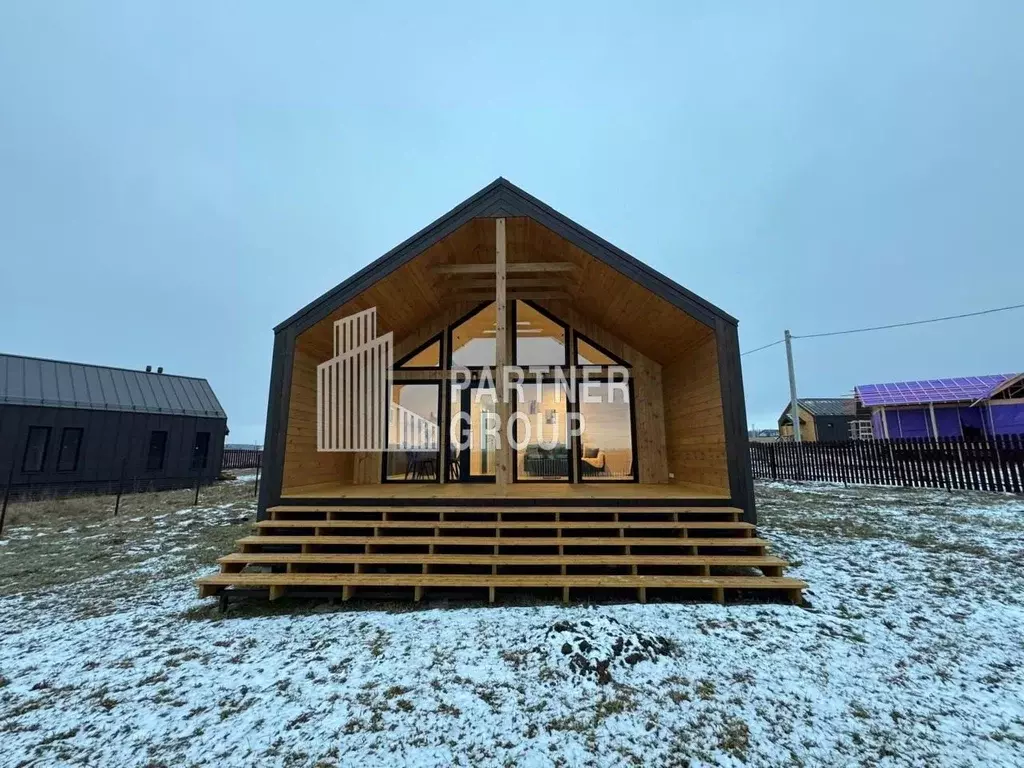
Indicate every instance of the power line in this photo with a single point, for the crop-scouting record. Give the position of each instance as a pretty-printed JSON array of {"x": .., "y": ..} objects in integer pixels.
[
  {"x": 752, "y": 351},
  {"x": 912, "y": 322},
  {"x": 891, "y": 325}
]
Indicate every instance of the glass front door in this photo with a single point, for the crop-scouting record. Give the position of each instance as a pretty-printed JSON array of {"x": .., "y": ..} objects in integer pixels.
[{"x": 473, "y": 441}]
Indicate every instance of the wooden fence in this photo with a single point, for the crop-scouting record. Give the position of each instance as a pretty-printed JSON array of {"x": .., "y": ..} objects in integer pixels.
[
  {"x": 241, "y": 458},
  {"x": 994, "y": 464}
]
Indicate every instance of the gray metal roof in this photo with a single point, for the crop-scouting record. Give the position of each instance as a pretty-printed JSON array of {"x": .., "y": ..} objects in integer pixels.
[
  {"x": 825, "y": 406},
  {"x": 828, "y": 406},
  {"x": 33, "y": 381}
]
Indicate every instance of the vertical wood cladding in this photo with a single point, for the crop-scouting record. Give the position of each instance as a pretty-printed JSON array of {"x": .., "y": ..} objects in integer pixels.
[{"x": 694, "y": 423}]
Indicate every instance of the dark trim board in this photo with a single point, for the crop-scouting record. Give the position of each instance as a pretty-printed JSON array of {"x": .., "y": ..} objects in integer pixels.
[{"x": 734, "y": 416}]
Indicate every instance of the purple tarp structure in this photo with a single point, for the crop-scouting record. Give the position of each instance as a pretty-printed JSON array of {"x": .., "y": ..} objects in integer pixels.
[{"x": 959, "y": 404}]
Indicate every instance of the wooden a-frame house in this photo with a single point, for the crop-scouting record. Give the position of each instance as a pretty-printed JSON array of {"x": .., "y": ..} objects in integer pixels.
[{"x": 654, "y": 490}]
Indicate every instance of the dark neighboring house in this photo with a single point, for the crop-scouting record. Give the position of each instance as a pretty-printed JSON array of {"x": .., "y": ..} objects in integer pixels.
[
  {"x": 827, "y": 420},
  {"x": 73, "y": 425}
]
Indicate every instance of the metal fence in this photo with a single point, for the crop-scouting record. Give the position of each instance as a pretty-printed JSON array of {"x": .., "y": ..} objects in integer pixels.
[
  {"x": 190, "y": 484},
  {"x": 242, "y": 458},
  {"x": 992, "y": 464}
]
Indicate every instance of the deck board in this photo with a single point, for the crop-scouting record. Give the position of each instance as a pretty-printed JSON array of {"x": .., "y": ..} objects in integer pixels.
[{"x": 579, "y": 492}]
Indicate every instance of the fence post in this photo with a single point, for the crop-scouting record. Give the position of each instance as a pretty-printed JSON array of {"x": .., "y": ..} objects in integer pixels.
[
  {"x": 120, "y": 487},
  {"x": 256, "y": 489},
  {"x": 199, "y": 480},
  {"x": 7, "y": 496}
]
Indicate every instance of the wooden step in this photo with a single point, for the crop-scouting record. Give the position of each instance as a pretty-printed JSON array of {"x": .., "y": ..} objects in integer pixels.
[
  {"x": 263, "y": 558},
  {"x": 770, "y": 566},
  {"x": 510, "y": 541},
  {"x": 288, "y": 510},
  {"x": 503, "y": 525},
  {"x": 277, "y": 582}
]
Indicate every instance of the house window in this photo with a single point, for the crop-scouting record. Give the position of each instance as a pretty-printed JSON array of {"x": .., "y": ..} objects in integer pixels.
[
  {"x": 70, "y": 444},
  {"x": 589, "y": 353},
  {"x": 606, "y": 450},
  {"x": 542, "y": 432},
  {"x": 473, "y": 342},
  {"x": 413, "y": 432},
  {"x": 426, "y": 356},
  {"x": 200, "y": 450},
  {"x": 157, "y": 448},
  {"x": 540, "y": 339},
  {"x": 35, "y": 449}
]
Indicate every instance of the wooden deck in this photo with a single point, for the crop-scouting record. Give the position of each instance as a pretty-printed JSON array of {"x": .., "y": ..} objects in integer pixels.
[
  {"x": 339, "y": 548},
  {"x": 577, "y": 492}
]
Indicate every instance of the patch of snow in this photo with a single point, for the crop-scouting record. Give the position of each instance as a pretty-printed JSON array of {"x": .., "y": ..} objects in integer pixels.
[{"x": 910, "y": 653}]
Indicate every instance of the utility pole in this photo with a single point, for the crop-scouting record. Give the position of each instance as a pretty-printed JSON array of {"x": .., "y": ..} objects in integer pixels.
[{"x": 793, "y": 410}]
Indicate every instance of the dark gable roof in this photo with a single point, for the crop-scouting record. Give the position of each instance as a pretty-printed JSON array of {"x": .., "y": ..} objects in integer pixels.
[
  {"x": 33, "y": 381},
  {"x": 825, "y": 406},
  {"x": 501, "y": 198}
]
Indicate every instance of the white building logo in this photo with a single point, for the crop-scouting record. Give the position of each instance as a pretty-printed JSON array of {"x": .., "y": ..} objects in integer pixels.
[
  {"x": 353, "y": 387},
  {"x": 356, "y": 413}
]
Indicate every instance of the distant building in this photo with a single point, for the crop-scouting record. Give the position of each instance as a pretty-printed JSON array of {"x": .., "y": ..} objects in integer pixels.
[
  {"x": 764, "y": 435},
  {"x": 68, "y": 424},
  {"x": 971, "y": 407},
  {"x": 826, "y": 420}
]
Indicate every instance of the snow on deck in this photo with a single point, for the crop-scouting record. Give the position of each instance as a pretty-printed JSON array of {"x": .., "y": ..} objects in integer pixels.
[{"x": 912, "y": 653}]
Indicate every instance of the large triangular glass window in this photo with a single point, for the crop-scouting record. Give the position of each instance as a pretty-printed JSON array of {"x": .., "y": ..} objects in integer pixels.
[
  {"x": 426, "y": 356},
  {"x": 589, "y": 353}
]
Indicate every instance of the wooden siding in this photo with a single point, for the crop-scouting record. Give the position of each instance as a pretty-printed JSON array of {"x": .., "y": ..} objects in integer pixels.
[{"x": 694, "y": 424}]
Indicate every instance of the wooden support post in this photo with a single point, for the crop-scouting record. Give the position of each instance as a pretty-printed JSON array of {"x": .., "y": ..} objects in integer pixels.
[
  {"x": 490, "y": 595},
  {"x": 565, "y": 595},
  {"x": 718, "y": 595},
  {"x": 503, "y": 468},
  {"x": 276, "y": 592},
  {"x": 417, "y": 594},
  {"x": 346, "y": 593},
  {"x": 796, "y": 596}
]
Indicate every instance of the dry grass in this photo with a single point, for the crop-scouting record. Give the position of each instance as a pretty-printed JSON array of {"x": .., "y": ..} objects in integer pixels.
[{"x": 50, "y": 543}]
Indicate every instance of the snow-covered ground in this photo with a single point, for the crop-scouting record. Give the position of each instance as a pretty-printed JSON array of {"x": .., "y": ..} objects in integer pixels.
[{"x": 910, "y": 653}]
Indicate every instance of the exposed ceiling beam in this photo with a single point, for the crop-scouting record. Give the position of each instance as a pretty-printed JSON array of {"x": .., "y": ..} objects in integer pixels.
[
  {"x": 483, "y": 283},
  {"x": 488, "y": 269},
  {"x": 489, "y": 295}
]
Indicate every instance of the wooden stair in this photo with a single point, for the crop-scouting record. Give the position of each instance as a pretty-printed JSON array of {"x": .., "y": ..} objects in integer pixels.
[{"x": 342, "y": 548}]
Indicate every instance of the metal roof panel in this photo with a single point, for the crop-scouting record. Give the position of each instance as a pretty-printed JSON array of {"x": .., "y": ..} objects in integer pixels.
[{"x": 33, "y": 381}]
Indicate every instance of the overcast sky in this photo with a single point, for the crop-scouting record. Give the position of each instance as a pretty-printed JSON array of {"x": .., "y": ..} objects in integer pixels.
[{"x": 177, "y": 178}]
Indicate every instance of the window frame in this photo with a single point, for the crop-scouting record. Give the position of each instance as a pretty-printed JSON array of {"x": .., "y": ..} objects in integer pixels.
[
  {"x": 567, "y": 346},
  {"x": 437, "y": 338},
  {"x": 163, "y": 450},
  {"x": 571, "y": 410},
  {"x": 43, "y": 456},
  {"x": 78, "y": 448},
  {"x": 441, "y": 440},
  {"x": 587, "y": 340},
  {"x": 449, "y": 347},
  {"x": 635, "y": 463},
  {"x": 206, "y": 451}
]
